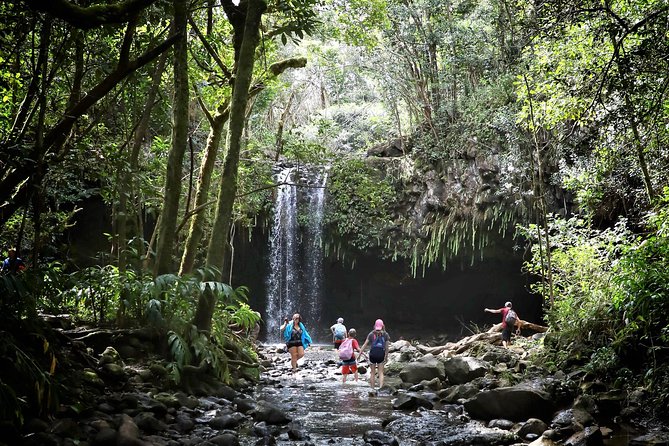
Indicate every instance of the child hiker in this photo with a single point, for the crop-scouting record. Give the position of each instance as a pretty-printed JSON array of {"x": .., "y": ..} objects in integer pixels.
[{"x": 347, "y": 351}]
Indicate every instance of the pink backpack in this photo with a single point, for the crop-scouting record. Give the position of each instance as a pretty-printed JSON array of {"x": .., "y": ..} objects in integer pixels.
[{"x": 346, "y": 349}]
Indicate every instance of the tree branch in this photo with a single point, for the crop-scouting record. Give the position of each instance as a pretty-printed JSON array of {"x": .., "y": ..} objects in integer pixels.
[{"x": 92, "y": 16}]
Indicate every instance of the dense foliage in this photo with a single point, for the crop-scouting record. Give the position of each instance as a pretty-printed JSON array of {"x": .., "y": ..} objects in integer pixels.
[
  {"x": 443, "y": 125},
  {"x": 610, "y": 307}
]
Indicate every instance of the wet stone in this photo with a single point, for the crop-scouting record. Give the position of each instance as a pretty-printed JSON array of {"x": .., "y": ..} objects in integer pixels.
[{"x": 380, "y": 438}]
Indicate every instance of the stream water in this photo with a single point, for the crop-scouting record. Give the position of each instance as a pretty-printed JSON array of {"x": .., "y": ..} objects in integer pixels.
[{"x": 329, "y": 411}]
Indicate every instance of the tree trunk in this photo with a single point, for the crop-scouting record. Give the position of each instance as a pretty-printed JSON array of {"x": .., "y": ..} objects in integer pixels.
[
  {"x": 204, "y": 181},
  {"x": 127, "y": 183},
  {"x": 166, "y": 235},
  {"x": 218, "y": 245},
  {"x": 217, "y": 123}
]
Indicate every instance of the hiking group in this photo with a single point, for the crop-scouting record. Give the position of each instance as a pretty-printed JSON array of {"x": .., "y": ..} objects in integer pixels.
[{"x": 345, "y": 344}]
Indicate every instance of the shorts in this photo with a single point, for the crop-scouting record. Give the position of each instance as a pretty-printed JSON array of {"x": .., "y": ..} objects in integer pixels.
[
  {"x": 349, "y": 367},
  {"x": 294, "y": 344},
  {"x": 377, "y": 356},
  {"x": 506, "y": 333},
  {"x": 337, "y": 343}
]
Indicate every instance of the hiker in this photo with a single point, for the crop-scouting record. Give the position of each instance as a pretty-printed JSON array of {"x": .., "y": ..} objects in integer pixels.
[
  {"x": 347, "y": 349},
  {"x": 379, "y": 340},
  {"x": 509, "y": 321},
  {"x": 297, "y": 339},
  {"x": 12, "y": 264},
  {"x": 338, "y": 332}
]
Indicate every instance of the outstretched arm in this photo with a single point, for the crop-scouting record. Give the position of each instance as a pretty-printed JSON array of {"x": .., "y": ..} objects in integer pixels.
[{"x": 490, "y": 310}]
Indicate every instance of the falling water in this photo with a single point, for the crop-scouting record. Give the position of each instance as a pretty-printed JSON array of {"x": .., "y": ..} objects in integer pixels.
[{"x": 295, "y": 276}]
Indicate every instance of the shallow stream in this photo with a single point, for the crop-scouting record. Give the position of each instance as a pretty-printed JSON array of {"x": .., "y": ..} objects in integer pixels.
[{"x": 330, "y": 412}]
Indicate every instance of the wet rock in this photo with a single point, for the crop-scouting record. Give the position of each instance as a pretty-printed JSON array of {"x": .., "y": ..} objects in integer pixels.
[
  {"x": 105, "y": 437},
  {"x": 128, "y": 429},
  {"x": 426, "y": 368},
  {"x": 380, "y": 438},
  {"x": 184, "y": 423},
  {"x": 188, "y": 401},
  {"x": 532, "y": 426},
  {"x": 463, "y": 369},
  {"x": 90, "y": 377},
  {"x": 586, "y": 403},
  {"x": 168, "y": 399},
  {"x": 245, "y": 405},
  {"x": 106, "y": 408},
  {"x": 516, "y": 403},
  {"x": 154, "y": 406},
  {"x": 147, "y": 422},
  {"x": 227, "y": 392},
  {"x": 653, "y": 438},
  {"x": 296, "y": 431},
  {"x": 543, "y": 441},
  {"x": 226, "y": 439},
  {"x": 129, "y": 401},
  {"x": 224, "y": 422},
  {"x": 610, "y": 402},
  {"x": 110, "y": 356},
  {"x": 455, "y": 393},
  {"x": 411, "y": 401},
  {"x": 572, "y": 417},
  {"x": 500, "y": 356},
  {"x": 114, "y": 371},
  {"x": 270, "y": 413},
  {"x": 266, "y": 441},
  {"x": 590, "y": 436},
  {"x": 501, "y": 424}
]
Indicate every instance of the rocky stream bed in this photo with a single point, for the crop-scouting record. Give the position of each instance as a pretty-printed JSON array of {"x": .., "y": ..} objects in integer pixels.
[{"x": 482, "y": 395}]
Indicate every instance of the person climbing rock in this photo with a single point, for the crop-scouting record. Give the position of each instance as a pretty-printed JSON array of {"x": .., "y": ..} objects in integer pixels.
[{"x": 509, "y": 321}]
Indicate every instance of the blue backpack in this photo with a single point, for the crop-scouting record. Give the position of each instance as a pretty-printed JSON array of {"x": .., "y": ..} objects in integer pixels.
[
  {"x": 339, "y": 331},
  {"x": 379, "y": 342},
  {"x": 377, "y": 352}
]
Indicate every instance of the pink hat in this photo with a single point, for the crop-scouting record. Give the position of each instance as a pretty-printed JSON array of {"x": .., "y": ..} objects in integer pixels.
[{"x": 378, "y": 325}]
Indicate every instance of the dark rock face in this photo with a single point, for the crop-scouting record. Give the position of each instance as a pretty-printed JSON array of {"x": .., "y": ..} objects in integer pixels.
[{"x": 513, "y": 403}]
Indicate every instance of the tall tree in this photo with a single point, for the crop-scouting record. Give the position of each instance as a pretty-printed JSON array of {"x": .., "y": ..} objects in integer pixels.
[
  {"x": 180, "y": 120},
  {"x": 246, "y": 41}
]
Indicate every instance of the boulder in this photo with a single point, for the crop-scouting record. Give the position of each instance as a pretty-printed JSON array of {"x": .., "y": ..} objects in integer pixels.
[
  {"x": 411, "y": 401},
  {"x": 455, "y": 393},
  {"x": 270, "y": 414},
  {"x": 515, "y": 403},
  {"x": 532, "y": 426},
  {"x": 463, "y": 369},
  {"x": 425, "y": 369},
  {"x": 590, "y": 436},
  {"x": 380, "y": 438}
]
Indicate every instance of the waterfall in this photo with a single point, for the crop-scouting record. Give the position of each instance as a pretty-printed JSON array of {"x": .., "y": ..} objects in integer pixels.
[{"x": 294, "y": 280}]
